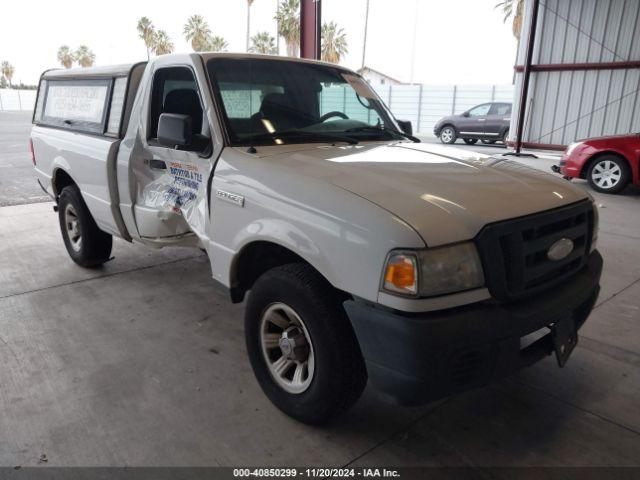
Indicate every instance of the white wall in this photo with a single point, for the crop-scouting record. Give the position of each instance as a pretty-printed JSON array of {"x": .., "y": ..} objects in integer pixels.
[{"x": 17, "y": 99}]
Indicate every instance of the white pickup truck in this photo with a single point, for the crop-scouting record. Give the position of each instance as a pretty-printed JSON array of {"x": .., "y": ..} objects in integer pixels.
[{"x": 364, "y": 253}]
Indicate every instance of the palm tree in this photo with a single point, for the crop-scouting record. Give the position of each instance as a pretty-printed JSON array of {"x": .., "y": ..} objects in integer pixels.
[
  {"x": 288, "y": 18},
  {"x": 65, "y": 56},
  {"x": 216, "y": 44},
  {"x": 146, "y": 32},
  {"x": 249, "y": 3},
  {"x": 334, "y": 42},
  {"x": 513, "y": 8},
  {"x": 8, "y": 71},
  {"x": 84, "y": 56},
  {"x": 263, "y": 43},
  {"x": 197, "y": 31},
  {"x": 161, "y": 43}
]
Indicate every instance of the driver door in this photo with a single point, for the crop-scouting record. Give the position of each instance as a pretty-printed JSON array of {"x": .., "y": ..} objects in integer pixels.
[
  {"x": 172, "y": 183},
  {"x": 474, "y": 123}
]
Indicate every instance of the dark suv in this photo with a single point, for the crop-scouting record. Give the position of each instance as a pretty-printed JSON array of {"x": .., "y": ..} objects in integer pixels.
[{"x": 488, "y": 122}]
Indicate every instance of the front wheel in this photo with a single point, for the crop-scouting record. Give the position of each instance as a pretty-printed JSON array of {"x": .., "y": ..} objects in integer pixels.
[
  {"x": 608, "y": 174},
  {"x": 448, "y": 135},
  {"x": 86, "y": 244},
  {"x": 302, "y": 348}
]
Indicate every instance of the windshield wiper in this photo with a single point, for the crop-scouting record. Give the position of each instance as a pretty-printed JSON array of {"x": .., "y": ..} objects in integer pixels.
[
  {"x": 303, "y": 133},
  {"x": 382, "y": 129}
]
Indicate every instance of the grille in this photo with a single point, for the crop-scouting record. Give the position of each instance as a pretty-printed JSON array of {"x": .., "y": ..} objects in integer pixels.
[{"x": 514, "y": 252}]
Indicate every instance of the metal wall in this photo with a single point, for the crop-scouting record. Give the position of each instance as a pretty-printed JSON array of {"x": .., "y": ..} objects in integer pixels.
[{"x": 564, "y": 106}]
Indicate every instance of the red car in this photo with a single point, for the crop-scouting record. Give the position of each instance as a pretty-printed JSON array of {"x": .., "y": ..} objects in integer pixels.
[{"x": 608, "y": 163}]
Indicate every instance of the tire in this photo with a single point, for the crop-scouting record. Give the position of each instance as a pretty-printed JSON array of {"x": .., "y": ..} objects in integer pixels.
[
  {"x": 470, "y": 141},
  {"x": 310, "y": 314},
  {"x": 488, "y": 142},
  {"x": 448, "y": 135},
  {"x": 86, "y": 244},
  {"x": 504, "y": 137},
  {"x": 608, "y": 174}
]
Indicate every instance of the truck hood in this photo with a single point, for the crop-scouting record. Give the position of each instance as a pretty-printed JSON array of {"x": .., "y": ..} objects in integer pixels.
[{"x": 445, "y": 194}]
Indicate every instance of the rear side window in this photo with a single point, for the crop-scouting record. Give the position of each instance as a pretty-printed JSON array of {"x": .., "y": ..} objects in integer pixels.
[
  {"x": 501, "y": 109},
  {"x": 80, "y": 105}
]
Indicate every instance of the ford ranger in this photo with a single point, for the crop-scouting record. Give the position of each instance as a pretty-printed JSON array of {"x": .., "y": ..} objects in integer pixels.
[{"x": 364, "y": 254}]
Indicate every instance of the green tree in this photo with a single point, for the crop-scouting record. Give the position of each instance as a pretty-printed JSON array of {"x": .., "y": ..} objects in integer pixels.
[
  {"x": 162, "y": 43},
  {"x": 65, "y": 56},
  {"x": 263, "y": 43},
  {"x": 197, "y": 31},
  {"x": 7, "y": 71},
  {"x": 84, "y": 56},
  {"x": 288, "y": 18},
  {"x": 334, "y": 43},
  {"x": 513, "y": 9},
  {"x": 216, "y": 44},
  {"x": 146, "y": 31}
]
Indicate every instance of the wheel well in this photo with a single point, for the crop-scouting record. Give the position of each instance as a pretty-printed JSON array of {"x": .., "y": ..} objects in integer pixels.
[
  {"x": 449, "y": 125},
  {"x": 254, "y": 260},
  {"x": 61, "y": 179},
  {"x": 588, "y": 163}
]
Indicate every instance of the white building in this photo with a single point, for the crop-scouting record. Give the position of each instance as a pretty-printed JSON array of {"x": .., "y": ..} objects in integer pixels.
[{"x": 374, "y": 77}]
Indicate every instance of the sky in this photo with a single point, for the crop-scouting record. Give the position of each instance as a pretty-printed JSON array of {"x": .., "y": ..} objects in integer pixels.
[{"x": 456, "y": 41}]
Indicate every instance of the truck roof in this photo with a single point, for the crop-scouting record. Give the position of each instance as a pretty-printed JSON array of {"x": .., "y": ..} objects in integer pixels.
[{"x": 102, "y": 71}]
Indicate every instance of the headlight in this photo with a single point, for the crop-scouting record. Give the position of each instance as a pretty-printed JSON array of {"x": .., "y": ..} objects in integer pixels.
[
  {"x": 435, "y": 271},
  {"x": 571, "y": 148}
]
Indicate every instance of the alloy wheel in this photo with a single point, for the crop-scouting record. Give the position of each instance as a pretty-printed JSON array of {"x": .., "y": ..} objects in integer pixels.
[
  {"x": 287, "y": 348},
  {"x": 606, "y": 174}
]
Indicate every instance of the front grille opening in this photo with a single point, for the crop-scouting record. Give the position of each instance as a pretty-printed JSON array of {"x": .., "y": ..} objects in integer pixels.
[{"x": 514, "y": 252}]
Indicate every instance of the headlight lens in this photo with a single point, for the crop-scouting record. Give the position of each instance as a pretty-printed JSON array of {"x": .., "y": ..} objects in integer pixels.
[
  {"x": 435, "y": 271},
  {"x": 401, "y": 274},
  {"x": 571, "y": 148}
]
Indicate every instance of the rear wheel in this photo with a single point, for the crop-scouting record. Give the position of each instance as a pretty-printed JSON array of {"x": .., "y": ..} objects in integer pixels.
[
  {"x": 505, "y": 137},
  {"x": 488, "y": 141},
  {"x": 470, "y": 141},
  {"x": 86, "y": 244},
  {"x": 608, "y": 174},
  {"x": 448, "y": 135},
  {"x": 302, "y": 348}
]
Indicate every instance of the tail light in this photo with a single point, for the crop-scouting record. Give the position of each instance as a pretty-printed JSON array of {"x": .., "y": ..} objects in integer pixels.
[{"x": 33, "y": 155}]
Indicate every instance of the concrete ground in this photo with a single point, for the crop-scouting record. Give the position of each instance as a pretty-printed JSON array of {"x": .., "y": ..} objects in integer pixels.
[{"x": 142, "y": 362}]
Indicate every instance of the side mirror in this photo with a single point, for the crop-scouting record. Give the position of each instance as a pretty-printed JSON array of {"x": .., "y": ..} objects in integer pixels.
[
  {"x": 174, "y": 130},
  {"x": 405, "y": 126},
  {"x": 465, "y": 114}
]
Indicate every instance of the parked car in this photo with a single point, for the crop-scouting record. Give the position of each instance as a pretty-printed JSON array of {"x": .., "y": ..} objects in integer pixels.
[
  {"x": 608, "y": 163},
  {"x": 363, "y": 254},
  {"x": 488, "y": 122}
]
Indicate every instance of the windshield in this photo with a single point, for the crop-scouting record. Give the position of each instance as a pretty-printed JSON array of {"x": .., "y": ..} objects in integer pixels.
[{"x": 268, "y": 101}]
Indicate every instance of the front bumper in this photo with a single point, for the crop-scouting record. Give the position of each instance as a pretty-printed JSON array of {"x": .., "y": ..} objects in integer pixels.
[{"x": 423, "y": 357}]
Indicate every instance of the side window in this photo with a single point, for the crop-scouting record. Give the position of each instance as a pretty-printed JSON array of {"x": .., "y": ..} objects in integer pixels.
[
  {"x": 117, "y": 104},
  {"x": 175, "y": 91},
  {"x": 480, "y": 110},
  {"x": 75, "y": 104},
  {"x": 501, "y": 109}
]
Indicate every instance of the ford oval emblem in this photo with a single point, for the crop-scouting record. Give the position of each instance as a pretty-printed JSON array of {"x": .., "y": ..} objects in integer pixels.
[{"x": 560, "y": 249}]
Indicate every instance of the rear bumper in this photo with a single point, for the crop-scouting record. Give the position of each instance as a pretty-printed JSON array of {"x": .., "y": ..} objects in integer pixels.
[{"x": 420, "y": 358}]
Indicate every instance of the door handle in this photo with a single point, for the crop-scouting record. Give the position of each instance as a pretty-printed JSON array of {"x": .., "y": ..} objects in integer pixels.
[{"x": 157, "y": 164}]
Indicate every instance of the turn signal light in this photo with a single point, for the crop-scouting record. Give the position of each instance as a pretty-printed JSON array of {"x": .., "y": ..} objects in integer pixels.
[
  {"x": 33, "y": 154},
  {"x": 401, "y": 274}
]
